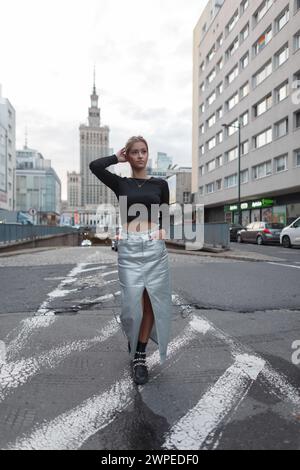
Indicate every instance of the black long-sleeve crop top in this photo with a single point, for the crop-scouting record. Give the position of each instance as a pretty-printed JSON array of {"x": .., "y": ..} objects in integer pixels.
[{"x": 154, "y": 191}]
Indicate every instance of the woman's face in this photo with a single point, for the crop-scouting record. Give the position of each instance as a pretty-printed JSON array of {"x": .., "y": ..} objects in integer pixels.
[{"x": 138, "y": 155}]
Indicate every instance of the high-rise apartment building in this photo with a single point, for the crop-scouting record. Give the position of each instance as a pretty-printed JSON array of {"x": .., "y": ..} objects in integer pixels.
[
  {"x": 7, "y": 154},
  {"x": 74, "y": 189},
  {"x": 246, "y": 75},
  {"x": 94, "y": 143}
]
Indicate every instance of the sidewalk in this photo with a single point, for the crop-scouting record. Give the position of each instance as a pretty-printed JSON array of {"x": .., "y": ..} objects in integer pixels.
[
  {"x": 207, "y": 251},
  {"x": 229, "y": 254}
]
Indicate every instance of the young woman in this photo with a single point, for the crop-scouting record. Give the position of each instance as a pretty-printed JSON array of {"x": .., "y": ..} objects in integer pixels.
[{"x": 143, "y": 264}]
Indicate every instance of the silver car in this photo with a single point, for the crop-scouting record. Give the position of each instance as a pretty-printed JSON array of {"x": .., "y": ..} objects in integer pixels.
[{"x": 260, "y": 233}]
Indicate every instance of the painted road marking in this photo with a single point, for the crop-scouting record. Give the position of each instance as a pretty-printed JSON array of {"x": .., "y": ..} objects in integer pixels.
[
  {"x": 15, "y": 374},
  {"x": 191, "y": 431},
  {"x": 281, "y": 264},
  {"x": 72, "y": 428}
]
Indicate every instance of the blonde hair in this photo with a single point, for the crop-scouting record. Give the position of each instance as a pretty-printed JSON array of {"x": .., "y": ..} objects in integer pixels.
[{"x": 132, "y": 141}]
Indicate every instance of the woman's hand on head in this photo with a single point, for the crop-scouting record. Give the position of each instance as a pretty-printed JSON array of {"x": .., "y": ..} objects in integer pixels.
[{"x": 122, "y": 155}]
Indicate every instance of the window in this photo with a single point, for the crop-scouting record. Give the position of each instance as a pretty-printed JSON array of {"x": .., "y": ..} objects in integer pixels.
[
  {"x": 201, "y": 170},
  {"x": 220, "y": 64},
  {"x": 232, "y": 48},
  {"x": 282, "y": 19},
  {"x": 297, "y": 41},
  {"x": 201, "y": 108},
  {"x": 220, "y": 137},
  {"x": 262, "y": 74},
  {"x": 262, "y": 41},
  {"x": 281, "y": 163},
  {"x": 281, "y": 128},
  {"x": 244, "y": 176},
  {"x": 202, "y": 87},
  {"x": 211, "y": 121},
  {"x": 262, "y": 106},
  {"x": 297, "y": 157},
  {"x": 201, "y": 190},
  {"x": 244, "y": 61},
  {"x": 262, "y": 10},
  {"x": 218, "y": 185},
  {"x": 211, "y": 76},
  {"x": 231, "y": 155},
  {"x": 282, "y": 55},
  {"x": 297, "y": 119},
  {"x": 244, "y": 33},
  {"x": 220, "y": 41},
  {"x": 260, "y": 171},
  {"x": 244, "y": 119},
  {"x": 244, "y": 90},
  {"x": 211, "y": 98},
  {"x": 220, "y": 88},
  {"x": 282, "y": 92},
  {"x": 232, "y": 102},
  {"x": 263, "y": 138},
  {"x": 297, "y": 5},
  {"x": 233, "y": 21},
  {"x": 244, "y": 6},
  {"x": 245, "y": 147},
  {"x": 210, "y": 188},
  {"x": 202, "y": 67},
  {"x": 219, "y": 161},
  {"x": 201, "y": 129},
  {"x": 211, "y": 143},
  {"x": 232, "y": 75},
  {"x": 211, "y": 54},
  {"x": 232, "y": 128},
  {"x": 210, "y": 166},
  {"x": 201, "y": 150},
  {"x": 219, "y": 113},
  {"x": 230, "y": 181}
]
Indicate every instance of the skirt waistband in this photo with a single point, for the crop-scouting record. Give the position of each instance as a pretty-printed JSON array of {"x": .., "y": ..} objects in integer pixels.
[{"x": 144, "y": 234}]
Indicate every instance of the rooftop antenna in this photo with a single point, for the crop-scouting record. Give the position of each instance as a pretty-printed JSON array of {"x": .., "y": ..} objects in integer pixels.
[{"x": 26, "y": 138}]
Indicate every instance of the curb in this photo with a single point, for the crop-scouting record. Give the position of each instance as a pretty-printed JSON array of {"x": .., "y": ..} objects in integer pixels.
[{"x": 221, "y": 255}]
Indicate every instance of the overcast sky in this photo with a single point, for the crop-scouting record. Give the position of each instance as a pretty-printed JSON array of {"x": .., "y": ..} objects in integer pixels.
[{"x": 142, "y": 50}]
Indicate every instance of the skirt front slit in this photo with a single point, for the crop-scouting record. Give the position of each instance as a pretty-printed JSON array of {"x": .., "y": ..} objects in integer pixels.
[{"x": 143, "y": 264}]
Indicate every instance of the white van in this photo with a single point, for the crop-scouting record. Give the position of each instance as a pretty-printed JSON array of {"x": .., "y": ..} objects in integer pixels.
[{"x": 291, "y": 235}]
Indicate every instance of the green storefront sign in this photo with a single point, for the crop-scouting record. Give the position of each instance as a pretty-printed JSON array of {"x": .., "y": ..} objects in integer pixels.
[{"x": 261, "y": 203}]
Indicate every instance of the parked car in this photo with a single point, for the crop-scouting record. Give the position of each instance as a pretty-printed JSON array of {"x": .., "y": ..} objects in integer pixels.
[
  {"x": 234, "y": 229},
  {"x": 290, "y": 235},
  {"x": 260, "y": 233}
]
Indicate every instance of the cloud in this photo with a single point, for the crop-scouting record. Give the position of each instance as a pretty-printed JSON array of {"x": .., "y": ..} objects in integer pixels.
[{"x": 143, "y": 57}]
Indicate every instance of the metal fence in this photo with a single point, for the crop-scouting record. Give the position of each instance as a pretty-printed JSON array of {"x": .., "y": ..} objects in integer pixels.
[
  {"x": 215, "y": 234},
  {"x": 10, "y": 233}
]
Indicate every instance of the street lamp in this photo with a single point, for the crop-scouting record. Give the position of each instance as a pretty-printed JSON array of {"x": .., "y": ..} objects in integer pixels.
[{"x": 239, "y": 167}]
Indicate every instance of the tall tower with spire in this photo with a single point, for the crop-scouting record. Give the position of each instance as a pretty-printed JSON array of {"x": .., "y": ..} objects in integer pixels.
[{"x": 94, "y": 143}]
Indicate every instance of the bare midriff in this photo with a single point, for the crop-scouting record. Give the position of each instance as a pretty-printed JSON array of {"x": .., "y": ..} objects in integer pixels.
[{"x": 141, "y": 226}]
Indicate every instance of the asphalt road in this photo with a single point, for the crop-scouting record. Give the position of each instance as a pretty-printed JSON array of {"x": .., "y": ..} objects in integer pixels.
[{"x": 231, "y": 381}]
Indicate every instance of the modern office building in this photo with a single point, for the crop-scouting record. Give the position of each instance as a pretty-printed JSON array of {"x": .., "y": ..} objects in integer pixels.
[
  {"x": 246, "y": 70},
  {"x": 38, "y": 187},
  {"x": 7, "y": 154},
  {"x": 163, "y": 161}
]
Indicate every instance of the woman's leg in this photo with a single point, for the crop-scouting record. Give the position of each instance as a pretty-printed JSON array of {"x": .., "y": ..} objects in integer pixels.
[{"x": 148, "y": 318}]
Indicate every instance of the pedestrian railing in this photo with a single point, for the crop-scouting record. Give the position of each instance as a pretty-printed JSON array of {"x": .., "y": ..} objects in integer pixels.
[{"x": 10, "y": 233}]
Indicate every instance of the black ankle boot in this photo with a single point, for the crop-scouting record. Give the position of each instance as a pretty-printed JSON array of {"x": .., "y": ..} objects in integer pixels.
[{"x": 140, "y": 371}]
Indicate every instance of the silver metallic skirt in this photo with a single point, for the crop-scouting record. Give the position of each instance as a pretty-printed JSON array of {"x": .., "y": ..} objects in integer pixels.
[{"x": 143, "y": 264}]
